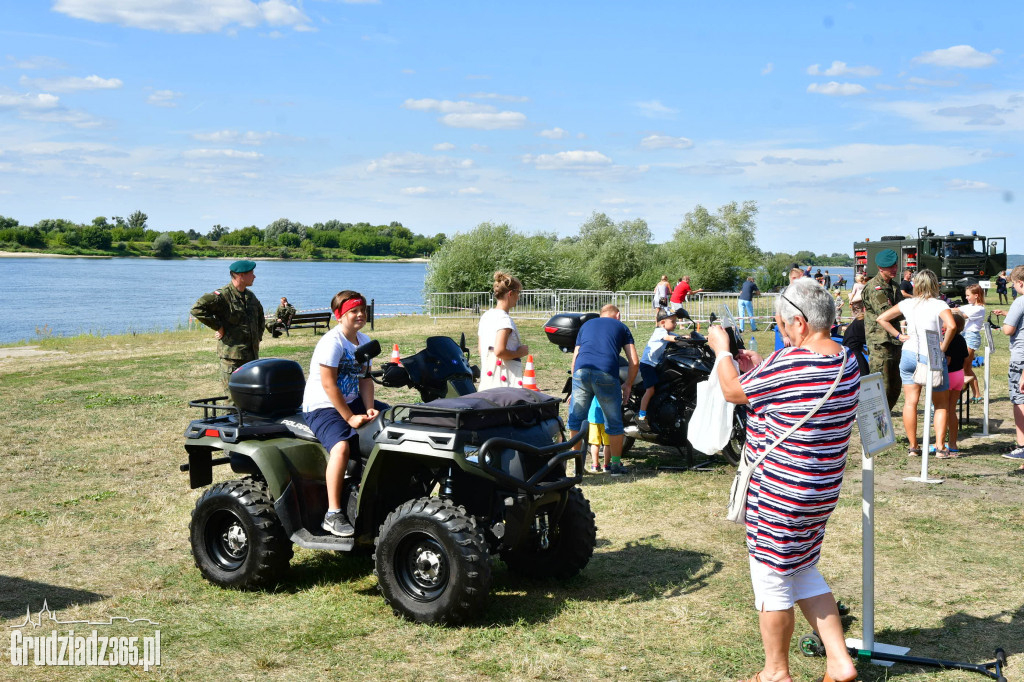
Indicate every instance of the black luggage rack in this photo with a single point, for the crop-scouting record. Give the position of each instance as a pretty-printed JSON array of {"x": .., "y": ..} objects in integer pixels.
[{"x": 231, "y": 425}]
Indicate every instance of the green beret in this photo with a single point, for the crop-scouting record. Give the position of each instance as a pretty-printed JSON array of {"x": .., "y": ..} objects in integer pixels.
[
  {"x": 886, "y": 258},
  {"x": 242, "y": 266}
]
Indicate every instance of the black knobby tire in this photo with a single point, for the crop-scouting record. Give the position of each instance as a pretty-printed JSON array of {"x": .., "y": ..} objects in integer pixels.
[
  {"x": 237, "y": 539},
  {"x": 733, "y": 450},
  {"x": 571, "y": 543},
  {"x": 432, "y": 562}
]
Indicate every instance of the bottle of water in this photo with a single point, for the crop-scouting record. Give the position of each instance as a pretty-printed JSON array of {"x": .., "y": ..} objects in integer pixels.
[{"x": 753, "y": 344}]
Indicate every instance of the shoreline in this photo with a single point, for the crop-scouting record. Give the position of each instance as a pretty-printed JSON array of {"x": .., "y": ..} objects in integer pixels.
[{"x": 36, "y": 254}]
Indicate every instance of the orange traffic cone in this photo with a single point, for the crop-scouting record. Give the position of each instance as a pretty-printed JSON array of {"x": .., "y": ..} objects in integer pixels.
[
  {"x": 529, "y": 376},
  {"x": 395, "y": 357}
]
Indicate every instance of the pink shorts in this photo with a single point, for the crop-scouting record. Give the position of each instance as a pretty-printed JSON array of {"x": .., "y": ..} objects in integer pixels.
[{"x": 956, "y": 380}]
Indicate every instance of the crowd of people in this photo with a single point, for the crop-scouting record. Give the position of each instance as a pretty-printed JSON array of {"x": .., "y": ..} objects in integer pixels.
[{"x": 801, "y": 401}]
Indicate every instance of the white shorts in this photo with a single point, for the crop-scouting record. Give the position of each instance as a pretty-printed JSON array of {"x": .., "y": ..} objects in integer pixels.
[{"x": 776, "y": 592}]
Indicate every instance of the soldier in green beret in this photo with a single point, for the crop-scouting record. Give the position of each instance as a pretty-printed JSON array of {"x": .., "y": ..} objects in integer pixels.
[
  {"x": 282, "y": 316},
  {"x": 236, "y": 316},
  {"x": 880, "y": 294}
]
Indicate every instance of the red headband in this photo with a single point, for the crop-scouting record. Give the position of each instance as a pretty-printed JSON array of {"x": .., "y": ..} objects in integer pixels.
[{"x": 349, "y": 305}]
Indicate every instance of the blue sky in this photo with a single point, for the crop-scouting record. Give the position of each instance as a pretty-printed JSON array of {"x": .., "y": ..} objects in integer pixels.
[{"x": 842, "y": 120}]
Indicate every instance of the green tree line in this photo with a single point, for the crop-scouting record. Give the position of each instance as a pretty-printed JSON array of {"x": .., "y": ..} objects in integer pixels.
[
  {"x": 281, "y": 238},
  {"x": 718, "y": 250}
]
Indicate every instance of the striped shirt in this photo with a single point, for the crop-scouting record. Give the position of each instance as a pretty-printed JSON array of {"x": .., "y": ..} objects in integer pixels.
[{"x": 793, "y": 492}]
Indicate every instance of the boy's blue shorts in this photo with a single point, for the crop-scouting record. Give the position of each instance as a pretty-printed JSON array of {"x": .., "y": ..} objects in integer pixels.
[
  {"x": 328, "y": 426},
  {"x": 649, "y": 374}
]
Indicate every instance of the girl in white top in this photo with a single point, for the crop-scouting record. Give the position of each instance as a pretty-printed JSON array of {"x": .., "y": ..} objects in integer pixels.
[
  {"x": 662, "y": 292},
  {"x": 924, "y": 311},
  {"x": 974, "y": 311},
  {"x": 500, "y": 349},
  {"x": 857, "y": 292}
]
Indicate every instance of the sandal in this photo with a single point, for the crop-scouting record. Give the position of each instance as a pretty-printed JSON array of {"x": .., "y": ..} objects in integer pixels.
[
  {"x": 826, "y": 678},
  {"x": 943, "y": 454},
  {"x": 914, "y": 452}
]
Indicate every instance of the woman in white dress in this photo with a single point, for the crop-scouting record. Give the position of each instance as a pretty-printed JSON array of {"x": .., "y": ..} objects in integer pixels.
[
  {"x": 662, "y": 293},
  {"x": 500, "y": 349}
]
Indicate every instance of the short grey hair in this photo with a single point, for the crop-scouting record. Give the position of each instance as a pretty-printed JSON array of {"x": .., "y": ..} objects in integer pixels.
[{"x": 815, "y": 304}]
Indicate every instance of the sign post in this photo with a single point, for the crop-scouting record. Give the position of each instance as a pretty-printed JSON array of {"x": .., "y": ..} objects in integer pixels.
[
  {"x": 934, "y": 358},
  {"x": 874, "y": 422},
  {"x": 990, "y": 345}
]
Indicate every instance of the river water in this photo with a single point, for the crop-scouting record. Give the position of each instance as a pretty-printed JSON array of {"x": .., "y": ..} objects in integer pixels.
[{"x": 69, "y": 296}]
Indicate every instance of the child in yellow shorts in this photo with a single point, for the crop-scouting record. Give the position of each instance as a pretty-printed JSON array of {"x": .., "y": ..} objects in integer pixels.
[{"x": 598, "y": 439}]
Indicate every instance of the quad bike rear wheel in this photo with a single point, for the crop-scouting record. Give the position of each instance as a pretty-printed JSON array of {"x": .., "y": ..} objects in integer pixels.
[
  {"x": 560, "y": 550},
  {"x": 432, "y": 562},
  {"x": 237, "y": 539}
]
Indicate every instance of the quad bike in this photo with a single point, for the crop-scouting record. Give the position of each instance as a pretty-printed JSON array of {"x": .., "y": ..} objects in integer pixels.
[
  {"x": 683, "y": 365},
  {"x": 434, "y": 489}
]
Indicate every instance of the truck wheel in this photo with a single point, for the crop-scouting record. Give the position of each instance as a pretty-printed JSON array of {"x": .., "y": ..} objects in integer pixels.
[
  {"x": 432, "y": 563},
  {"x": 237, "y": 539},
  {"x": 570, "y": 543},
  {"x": 733, "y": 450}
]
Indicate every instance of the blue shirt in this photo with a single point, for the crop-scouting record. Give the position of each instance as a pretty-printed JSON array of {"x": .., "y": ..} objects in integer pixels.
[
  {"x": 599, "y": 343},
  {"x": 747, "y": 292}
]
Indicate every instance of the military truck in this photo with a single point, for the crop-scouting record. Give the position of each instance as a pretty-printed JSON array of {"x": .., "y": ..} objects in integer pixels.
[{"x": 958, "y": 260}]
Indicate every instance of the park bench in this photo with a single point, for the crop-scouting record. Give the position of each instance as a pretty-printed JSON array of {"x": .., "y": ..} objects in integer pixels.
[{"x": 312, "y": 321}]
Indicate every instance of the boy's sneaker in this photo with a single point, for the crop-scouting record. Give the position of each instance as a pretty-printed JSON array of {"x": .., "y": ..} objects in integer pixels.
[
  {"x": 618, "y": 470},
  {"x": 643, "y": 424},
  {"x": 337, "y": 524},
  {"x": 1016, "y": 453},
  {"x": 598, "y": 469}
]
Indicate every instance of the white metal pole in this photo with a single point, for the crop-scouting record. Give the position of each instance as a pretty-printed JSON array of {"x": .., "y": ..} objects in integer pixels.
[
  {"x": 868, "y": 554},
  {"x": 927, "y": 418},
  {"x": 988, "y": 373}
]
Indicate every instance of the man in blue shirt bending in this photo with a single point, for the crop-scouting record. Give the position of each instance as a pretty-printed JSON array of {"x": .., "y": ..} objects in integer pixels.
[
  {"x": 595, "y": 374},
  {"x": 747, "y": 294}
]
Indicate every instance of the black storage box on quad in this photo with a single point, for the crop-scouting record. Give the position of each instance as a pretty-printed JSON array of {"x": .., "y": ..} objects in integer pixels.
[
  {"x": 563, "y": 328},
  {"x": 268, "y": 387}
]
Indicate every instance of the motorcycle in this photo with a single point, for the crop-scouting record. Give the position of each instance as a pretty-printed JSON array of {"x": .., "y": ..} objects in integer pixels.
[{"x": 684, "y": 364}]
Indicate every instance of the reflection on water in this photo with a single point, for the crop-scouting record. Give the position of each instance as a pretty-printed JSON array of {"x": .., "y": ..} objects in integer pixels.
[{"x": 67, "y": 296}]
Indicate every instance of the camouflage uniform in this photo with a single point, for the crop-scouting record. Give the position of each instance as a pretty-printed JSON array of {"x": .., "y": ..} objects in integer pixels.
[
  {"x": 283, "y": 313},
  {"x": 241, "y": 316},
  {"x": 878, "y": 297}
]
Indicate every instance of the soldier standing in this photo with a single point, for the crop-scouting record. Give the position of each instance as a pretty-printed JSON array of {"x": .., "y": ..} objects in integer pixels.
[
  {"x": 236, "y": 315},
  {"x": 880, "y": 294}
]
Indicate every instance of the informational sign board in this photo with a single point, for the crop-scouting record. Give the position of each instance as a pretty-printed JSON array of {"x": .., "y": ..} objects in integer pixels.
[
  {"x": 985, "y": 284},
  {"x": 935, "y": 354},
  {"x": 873, "y": 417},
  {"x": 990, "y": 341}
]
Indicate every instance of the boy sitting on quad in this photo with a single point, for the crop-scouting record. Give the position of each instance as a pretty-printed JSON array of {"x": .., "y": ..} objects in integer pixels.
[{"x": 339, "y": 399}]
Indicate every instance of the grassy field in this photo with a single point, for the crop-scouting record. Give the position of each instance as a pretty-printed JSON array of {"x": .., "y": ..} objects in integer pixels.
[{"x": 94, "y": 518}]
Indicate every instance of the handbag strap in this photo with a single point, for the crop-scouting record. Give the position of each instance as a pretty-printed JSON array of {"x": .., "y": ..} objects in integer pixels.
[{"x": 791, "y": 430}]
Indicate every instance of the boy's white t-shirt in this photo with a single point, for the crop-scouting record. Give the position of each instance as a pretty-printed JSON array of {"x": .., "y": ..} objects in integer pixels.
[
  {"x": 491, "y": 322},
  {"x": 975, "y": 317},
  {"x": 922, "y": 314},
  {"x": 655, "y": 347},
  {"x": 334, "y": 350}
]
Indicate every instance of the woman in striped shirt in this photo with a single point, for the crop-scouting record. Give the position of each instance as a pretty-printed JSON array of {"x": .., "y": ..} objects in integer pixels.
[{"x": 794, "y": 490}]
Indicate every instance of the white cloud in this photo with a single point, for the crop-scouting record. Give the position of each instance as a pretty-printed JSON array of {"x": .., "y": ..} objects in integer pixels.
[
  {"x": 446, "y": 106},
  {"x": 418, "y": 164},
  {"x": 415, "y": 191},
  {"x": 834, "y": 88},
  {"x": 932, "y": 83},
  {"x": 572, "y": 160},
  {"x": 554, "y": 134},
  {"x": 842, "y": 69},
  {"x": 666, "y": 142},
  {"x": 164, "y": 98},
  {"x": 36, "y": 63},
  {"x": 655, "y": 109},
  {"x": 470, "y": 191},
  {"x": 482, "y": 148},
  {"x": 768, "y": 68},
  {"x": 71, "y": 84},
  {"x": 444, "y": 147},
  {"x": 234, "y": 137},
  {"x": 958, "y": 185},
  {"x": 221, "y": 154},
  {"x": 486, "y": 121},
  {"x": 187, "y": 16},
  {"x": 26, "y": 101},
  {"x": 889, "y": 190},
  {"x": 958, "y": 56},
  {"x": 503, "y": 98},
  {"x": 1002, "y": 110}
]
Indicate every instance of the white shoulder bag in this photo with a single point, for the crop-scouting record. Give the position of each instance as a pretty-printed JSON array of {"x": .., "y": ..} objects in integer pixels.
[{"x": 738, "y": 494}]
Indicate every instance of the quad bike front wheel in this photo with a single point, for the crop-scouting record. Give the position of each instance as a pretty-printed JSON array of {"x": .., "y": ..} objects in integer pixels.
[
  {"x": 432, "y": 562},
  {"x": 237, "y": 539},
  {"x": 559, "y": 550}
]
